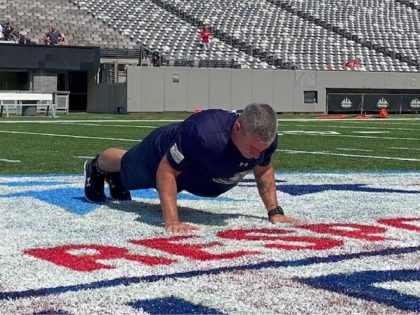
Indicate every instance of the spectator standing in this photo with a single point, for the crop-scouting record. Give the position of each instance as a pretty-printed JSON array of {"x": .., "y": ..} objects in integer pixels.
[
  {"x": 62, "y": 39},
  {"x": 55, "y": 37},
  {"x": 7, "y": 31},
  {"x": 353, "y": 64},
  {"x": 205, "y": 38},
  {"x": 47, "y": 39},
  {"x": 156, "y": 59}
]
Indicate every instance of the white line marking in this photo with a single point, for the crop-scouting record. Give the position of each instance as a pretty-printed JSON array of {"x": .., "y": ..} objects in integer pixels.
[
  {"x": 356, "y": 127},
  {"x": 87, "y": 124},
  {"x": 84, "y": 157},
  {"x": 371, "y": 131},
  {"x": 354, "y": 136},
  {"x": 123, "y": 126},
  {"x": 397, "y": 122},
  {"x": 350, "y": 120},
  {"x": 348, "y": 149},
  {"x": 354, "y": 120},
  {"x": 311, "y": 132},
  {"x": 350, "y": 155},
  {"x": 66, "y": 136},
  {"x": 86, "y": 121},
  {"x": 9, "y": 161},
  {"x": 402, "y": 148}
]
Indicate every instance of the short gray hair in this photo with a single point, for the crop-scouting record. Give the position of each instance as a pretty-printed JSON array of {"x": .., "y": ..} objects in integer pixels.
[{"x": 260, "y": 119}]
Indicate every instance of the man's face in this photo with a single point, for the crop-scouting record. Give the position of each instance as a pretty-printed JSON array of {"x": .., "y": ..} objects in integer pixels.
[{"x": 250, "y": 144}]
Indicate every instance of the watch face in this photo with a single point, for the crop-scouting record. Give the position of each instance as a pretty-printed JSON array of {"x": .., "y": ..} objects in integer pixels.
[{"x": 279, "y": 210}]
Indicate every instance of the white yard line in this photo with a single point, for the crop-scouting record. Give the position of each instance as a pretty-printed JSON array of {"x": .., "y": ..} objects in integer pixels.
[
  {"x": 119, "y": 126},
  {"x": 66, "y": 136},
  {"x": 351, "y": 120},
  {"x": 360, "y": 127},
  {"x": 383, "y": 123},
  {"x": 138, "y": 140},
  {"x": 371, "y": 131},
  {"x": 353, "y": 136},
  {"x": 403, "y": 148},
  {"x": 83, "y": 157},
  {"x": 86, "y": 121},
  {"x": 9, "y": 161},
  {"x": 349, "y": 149},
  {"x": 350, "y": 155}
]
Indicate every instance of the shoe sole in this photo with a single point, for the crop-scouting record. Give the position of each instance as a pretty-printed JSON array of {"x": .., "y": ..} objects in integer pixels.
[
  {"x": 115, "y": 199},
  {"x": 86, "y": 197}
]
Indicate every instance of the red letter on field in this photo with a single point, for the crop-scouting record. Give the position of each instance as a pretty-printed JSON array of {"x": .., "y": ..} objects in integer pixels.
[
  {"x": 401, "y": 223},
  {"x": 62, "y": 256},
  {"x": 357, "y": 231},
  {"x": 193, "y": 251},
  {"x": 295, "y": 242}
]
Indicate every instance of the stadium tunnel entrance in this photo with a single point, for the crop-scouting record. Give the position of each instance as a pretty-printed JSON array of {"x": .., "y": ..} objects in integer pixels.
[{"x": 69, "y": 71}]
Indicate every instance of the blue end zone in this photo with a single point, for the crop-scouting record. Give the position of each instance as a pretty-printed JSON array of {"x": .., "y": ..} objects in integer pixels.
[
  {"x": 299, "y": 190},
  {"x": 362, "y": 285},
  {"x": 171, "y": 305},
  {"x": 72, "y": 199}
]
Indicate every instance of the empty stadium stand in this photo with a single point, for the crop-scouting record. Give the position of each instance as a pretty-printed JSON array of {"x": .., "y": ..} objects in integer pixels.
[
  {"x": 388, "y": 31},
  {"x": 264, "y": 34},
  {"x": 33, "y": 18}
]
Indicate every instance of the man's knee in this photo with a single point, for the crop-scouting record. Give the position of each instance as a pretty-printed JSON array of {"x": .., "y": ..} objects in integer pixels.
[{"x": 110, "y": 160}]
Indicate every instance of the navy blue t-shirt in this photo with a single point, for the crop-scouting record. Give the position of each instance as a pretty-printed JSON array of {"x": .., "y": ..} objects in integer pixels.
[{"x": 202, "y": 150}]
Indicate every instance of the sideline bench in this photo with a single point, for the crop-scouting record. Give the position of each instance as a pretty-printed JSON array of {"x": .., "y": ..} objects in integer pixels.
[{"x": 15, "y": 101}]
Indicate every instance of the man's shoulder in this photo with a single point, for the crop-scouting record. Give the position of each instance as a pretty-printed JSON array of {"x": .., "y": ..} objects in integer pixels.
[
  {"x": 216, "y": 112},
  {"x": 212, "y": 118},
  {"x": 213, "y": 126}
]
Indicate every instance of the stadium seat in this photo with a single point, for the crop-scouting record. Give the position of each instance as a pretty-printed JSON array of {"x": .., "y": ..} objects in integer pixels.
[{"x": 312, "y": 34}]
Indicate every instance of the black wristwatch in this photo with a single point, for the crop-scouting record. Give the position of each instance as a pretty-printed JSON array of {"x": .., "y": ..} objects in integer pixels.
[{"x": 276, "y": 210}]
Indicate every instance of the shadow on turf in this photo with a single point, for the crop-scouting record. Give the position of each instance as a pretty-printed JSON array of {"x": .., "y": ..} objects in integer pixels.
[{"x": 152, "y": 214}]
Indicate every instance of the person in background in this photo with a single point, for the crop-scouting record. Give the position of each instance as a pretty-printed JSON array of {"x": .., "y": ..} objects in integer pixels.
[
  {"x": 8, "y": 32},
  {"x": 53, "y": 37},
  {"x": 156, "y": 59},
  {"x": 1, "y": 31},
  {"x": 205, "y": 38},
  {"x": 62, "y": 39}
]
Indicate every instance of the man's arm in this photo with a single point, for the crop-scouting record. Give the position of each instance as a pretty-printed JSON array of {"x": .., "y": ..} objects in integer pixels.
[
  {"x": 167, "y": 189},
  {"x": 266, "y": 183}
]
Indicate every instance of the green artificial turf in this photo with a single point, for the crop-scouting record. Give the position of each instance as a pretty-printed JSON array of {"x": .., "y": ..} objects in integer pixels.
[{"x": 58, "y": 145}]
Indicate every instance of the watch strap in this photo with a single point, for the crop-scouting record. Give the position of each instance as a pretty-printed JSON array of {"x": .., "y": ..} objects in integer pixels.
[{"x": 276, "y": 210}]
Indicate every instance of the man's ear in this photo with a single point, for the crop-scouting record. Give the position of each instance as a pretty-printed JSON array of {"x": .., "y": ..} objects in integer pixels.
[{"x": 237, "y": 126}]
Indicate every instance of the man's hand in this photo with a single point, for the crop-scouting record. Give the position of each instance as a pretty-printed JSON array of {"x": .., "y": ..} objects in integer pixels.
[
  {"x": 179, "y": 227},
  {"x": 279, "y": 218}
]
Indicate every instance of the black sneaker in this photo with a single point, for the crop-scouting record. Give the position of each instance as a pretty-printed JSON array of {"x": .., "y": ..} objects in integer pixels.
[
  {"x": 94, "y": 183},
  {"x": 116, "y": 187}
]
